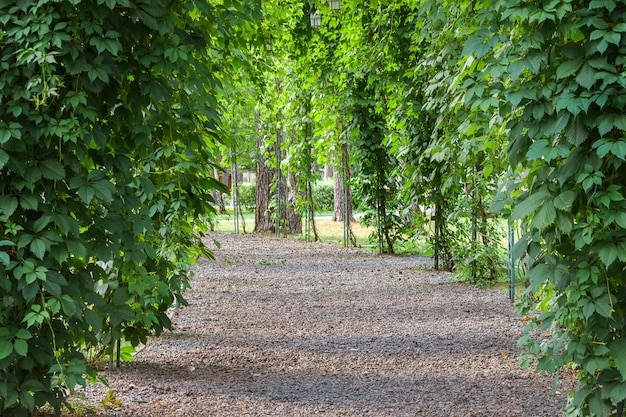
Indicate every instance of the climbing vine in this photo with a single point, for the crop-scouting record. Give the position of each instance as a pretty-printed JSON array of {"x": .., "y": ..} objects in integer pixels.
[{"x": 107, "y": 108}]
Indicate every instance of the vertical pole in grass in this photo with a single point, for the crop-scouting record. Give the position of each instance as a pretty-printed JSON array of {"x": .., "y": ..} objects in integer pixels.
[
  {"x": 511, "y": 262},
  {"x": 474, "y": 240},
  {"x": 118, "y": 361},
  {"x": 278, "y": 181},
  {"x": 235, "y": 190},
  {"x": 437, "y": 210},
  {"x": 308, "y": 192},
  {"x": 346, "y": 200}
]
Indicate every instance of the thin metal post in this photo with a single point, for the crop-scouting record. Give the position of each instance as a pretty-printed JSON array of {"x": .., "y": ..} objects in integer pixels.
[
  {"x": 346, "y": 201},
  {"x": 278, "y": 182},
  {"x": 235, "y": 191},
  {"x": 308, "y": 187},
  {"x": 511, "y": 263},
  {"x": 474, "y": 239},
  {"x": 437, "y": 210},
  {"x": 119, "y": 353}
]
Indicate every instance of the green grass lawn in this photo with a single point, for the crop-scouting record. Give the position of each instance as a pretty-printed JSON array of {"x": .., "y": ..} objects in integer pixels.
[{"x": 328, "y": 231}]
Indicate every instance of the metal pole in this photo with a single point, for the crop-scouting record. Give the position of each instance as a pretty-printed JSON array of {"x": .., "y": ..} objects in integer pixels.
[
  {"x": 346, "y": 201},
  {"x": 235, "y": 191},
  {"x": 119, "y": 353},
  {"x": 437, "y": 209},
  {"x": 474, "y": 239},
  {"x": 278, "y": 181},
  {"x": 308, "y": 191},
  {"x": 511, "y": 263},
  {"x": 346, "y": 213}
]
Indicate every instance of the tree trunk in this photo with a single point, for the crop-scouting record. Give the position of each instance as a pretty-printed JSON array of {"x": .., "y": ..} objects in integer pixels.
[
  {"x": 264, "y": 176},
  {"x": 329, "y": 171},
  {"x": 294, "y": 219},
  {"x": 340, "y": 198}
]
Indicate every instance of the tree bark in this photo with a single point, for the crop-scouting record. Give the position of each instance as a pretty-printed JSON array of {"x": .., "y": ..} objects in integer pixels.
[
  {"x": 339, "y": 197},
  {"x": 329, "y": 171},
  {"x": 294, "y": 219},
  {"x": 264, "y": 176}
]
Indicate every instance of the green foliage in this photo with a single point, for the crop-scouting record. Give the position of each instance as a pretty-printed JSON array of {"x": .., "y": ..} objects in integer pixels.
[
  {"x": 246, "y": 196},
  {"x": 323, "y": 197},
  {"x": 560, "y": 74},
  {"x": 108, "y": 111}
]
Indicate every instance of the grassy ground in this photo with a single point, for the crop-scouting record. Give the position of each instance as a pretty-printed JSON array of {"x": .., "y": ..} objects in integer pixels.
[
  {"x": 327, "y": 230},
  {"x": 330, "y": 232}
]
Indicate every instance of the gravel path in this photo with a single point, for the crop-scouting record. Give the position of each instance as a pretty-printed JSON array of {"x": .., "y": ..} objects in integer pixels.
[{"x": 277, "y": 327}]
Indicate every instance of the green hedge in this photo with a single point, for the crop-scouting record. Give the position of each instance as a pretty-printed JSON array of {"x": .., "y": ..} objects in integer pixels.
[{"x": 323, "y": 197}]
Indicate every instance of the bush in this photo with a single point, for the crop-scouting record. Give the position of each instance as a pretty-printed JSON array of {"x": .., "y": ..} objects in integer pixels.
[
  {"x": 247, "y": 197},
  {"x": 324, "y": 197}
]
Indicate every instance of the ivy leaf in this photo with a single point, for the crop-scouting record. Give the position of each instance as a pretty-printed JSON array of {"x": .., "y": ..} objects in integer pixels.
[
  {"x": 618, "y": 351},
  {"x": 6, "y": 348},
  {"x": 529, "y": 205},
  {"x": 520, "y": 247},
  {"x": 4, "y": 158},
  {"x": 618, "y": 392},
  {"x": 5, "y": 135},
  {"x": 29, "y": 201},
  {"x": 603, "y": 306},
  {"x": 619, "y": 149},
  {"x": 8, "y": 205},
  {"x": 606, "y": 123},
  {"x": 538, "y": 149},
  {"x": 38, "y": 248},
  {"x": 607, "y": 252},
  {"x": 576, "y": 132},
  {"x": 545, "y": 216},
  {"x": 21, "y": 347},
  {"x": 565, "y": 200},
  {"x": 52, "y": 169},
  {"x": 568, "y": 68},
  {"x": 586, "y": 76},
  {"x": 86, "y": 193}
]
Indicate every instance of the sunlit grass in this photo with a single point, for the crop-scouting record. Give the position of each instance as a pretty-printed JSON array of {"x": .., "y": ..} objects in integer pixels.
[{"x": 329, "y": 232}]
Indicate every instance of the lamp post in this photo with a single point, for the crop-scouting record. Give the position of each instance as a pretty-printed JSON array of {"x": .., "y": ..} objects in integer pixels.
[{"x": 316, "y": 17}]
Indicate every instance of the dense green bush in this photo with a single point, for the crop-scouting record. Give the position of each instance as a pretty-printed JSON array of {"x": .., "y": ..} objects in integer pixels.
[
  {"x": 324, "y": 197},
  {"x": 247, "y": 196}
]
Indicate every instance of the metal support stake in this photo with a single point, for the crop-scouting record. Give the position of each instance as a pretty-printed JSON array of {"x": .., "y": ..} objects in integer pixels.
[
  {"x": 119, "y": 353},
  {"x": 511, "y": 263},
  {"x": 235, "y": 191},
  {"x": 278, "y": 181},
  {"x": 346, "y": 202},
  {"x": 437, "y": 209}
]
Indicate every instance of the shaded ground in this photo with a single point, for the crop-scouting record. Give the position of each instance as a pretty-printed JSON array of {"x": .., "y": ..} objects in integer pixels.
[{"x": 277, "y": 327}]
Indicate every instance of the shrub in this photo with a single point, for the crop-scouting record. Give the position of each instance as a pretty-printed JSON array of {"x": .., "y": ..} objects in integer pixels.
[
  {"x": 324, "y": 197},
  {"x": 247, "y": 196}
]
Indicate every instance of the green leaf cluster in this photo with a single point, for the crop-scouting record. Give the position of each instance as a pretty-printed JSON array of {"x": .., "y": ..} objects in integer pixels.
[
  {"x": 560, "y": 73},
  {"x": 108, "y": 113}
]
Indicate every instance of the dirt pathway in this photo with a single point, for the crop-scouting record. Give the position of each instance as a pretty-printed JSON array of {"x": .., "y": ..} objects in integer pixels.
[{"x": 276, "y": 327}]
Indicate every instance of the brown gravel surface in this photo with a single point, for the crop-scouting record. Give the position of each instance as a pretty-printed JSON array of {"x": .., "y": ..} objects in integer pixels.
[{"x": 278, "y": 327}]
